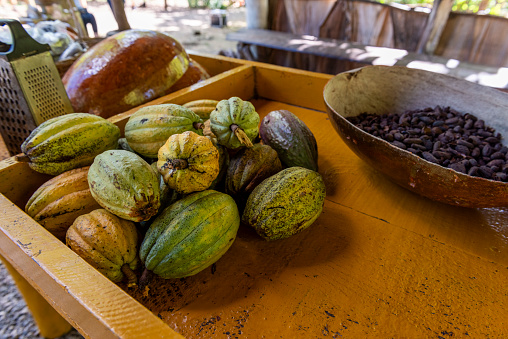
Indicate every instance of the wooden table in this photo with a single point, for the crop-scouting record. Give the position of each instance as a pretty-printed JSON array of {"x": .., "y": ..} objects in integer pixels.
[
  {"x": 380, "y": 262},
  {"x": 360, "y": 54}
]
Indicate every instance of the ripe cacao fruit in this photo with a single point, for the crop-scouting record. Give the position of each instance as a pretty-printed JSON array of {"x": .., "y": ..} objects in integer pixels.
[
  {"x": 108, "y": 243},
  {"x": 68, "y": 141},
  {"x": 285, "y": 203},
  {"x": 151, "y": 126},
  {"x": 59, "y": 201},
  {"x": 124, "y": 184},
  {"x": 124, "y": 71},
  {"x": 194, "y": 74},
  {"x": 188, "y": 162},
  {"x": 291, "y": 138},
  {"x": 248, "y": 168}
]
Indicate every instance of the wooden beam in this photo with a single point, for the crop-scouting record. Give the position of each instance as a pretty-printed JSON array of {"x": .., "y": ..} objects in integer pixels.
[
  {"x": 120, "y": 16},
  {"x": 435, "y": 26}
]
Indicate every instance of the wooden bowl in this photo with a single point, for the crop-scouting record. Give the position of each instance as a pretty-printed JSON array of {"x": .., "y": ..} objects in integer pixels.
[{"x": 394, "y": 89}]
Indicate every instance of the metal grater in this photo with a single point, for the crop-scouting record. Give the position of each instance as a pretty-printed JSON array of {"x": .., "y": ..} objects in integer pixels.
[{"x": 31, "y": 90}]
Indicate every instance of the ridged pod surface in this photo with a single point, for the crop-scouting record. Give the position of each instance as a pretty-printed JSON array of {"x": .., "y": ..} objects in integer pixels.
[
  {"x": 190, "y": 235},
  {"x": 108, "y": 243},
  {"x": 235, "y": 123},
  {"x": 188, "y": 162},
  {"x": 249, "y": 167},
  {"x": 60, "y": 200},
  {"x": 194, "y": 74},
  {"x": 151, "y": 126},
  {"x": 124, "y": 184},
  {"x": 168, "y": 195},
  {"x": 69, "y": 141},
  {"x": 286, "y": 203},
  {"x": 124, "y": 71},
  {"x": 291, "y": 138},
  {"x": 202, "y": 107}
]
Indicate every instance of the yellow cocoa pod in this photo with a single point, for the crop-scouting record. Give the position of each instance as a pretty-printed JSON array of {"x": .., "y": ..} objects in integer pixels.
[
  {"x": 188, "y": 162},
  {"x": 202, "y": 107},
  {"x": 108, "y": 243},
  {"x": 68, "y": 141},
  {"x": 59, "y": 201}
]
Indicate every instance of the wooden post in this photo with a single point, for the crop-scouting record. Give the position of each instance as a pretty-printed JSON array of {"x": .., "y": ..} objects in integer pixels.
[
  {"x": 257, "y": 14},
  {"x": 120, "y": 17},
  {"x": 435, "y": 26}
]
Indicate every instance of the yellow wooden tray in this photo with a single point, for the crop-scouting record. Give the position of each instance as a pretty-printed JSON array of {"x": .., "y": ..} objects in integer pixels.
[{"x": 380, "y": 262}]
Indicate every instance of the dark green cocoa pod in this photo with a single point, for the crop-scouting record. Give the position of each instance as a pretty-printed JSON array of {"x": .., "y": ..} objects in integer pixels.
[
  {"x": 291, "y": 138},
  {"x": 248, "y": 168},
  {"x": 218, "y": 183},
  {"x": 286, "y": 203}
]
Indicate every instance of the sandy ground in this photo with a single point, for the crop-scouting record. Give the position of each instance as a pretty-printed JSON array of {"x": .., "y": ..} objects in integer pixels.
[{"x": 192, "y": 27}]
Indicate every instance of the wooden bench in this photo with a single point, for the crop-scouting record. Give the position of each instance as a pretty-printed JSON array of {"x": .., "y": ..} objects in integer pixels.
[{"x": 496, "y": 77}]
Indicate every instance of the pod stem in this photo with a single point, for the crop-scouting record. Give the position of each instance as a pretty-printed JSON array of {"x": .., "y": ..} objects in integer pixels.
[
  {"x": 175, "y": 164},
  {"x": 132, "y": 279},
  {"x": 198, "y": 125},
  {"x": 178, "y": 164},
  {"x": 22, "y": 158},
  {"x": 240, "y": 134},
  {"x": 145, "y": 279}
]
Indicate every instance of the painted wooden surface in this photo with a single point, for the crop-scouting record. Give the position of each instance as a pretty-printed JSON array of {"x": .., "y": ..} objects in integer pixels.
[{"x": 379, "y": 262}]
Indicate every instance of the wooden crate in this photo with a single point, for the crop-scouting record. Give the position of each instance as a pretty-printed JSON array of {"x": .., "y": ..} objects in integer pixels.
[{"x": 379, "y": 262}]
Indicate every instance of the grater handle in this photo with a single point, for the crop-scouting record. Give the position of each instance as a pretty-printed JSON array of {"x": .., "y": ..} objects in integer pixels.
[{"x": 23, "y": 44}]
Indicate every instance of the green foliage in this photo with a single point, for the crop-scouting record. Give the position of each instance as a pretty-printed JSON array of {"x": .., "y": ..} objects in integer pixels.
[
  {"x": 212, "y": 4},
  {"x": 492, "y": 7}
]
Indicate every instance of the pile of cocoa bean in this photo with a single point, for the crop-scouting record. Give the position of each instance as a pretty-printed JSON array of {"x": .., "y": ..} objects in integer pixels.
[{"x": 443, "y": 136}]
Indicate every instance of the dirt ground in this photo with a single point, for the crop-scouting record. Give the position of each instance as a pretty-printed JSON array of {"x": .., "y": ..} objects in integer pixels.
[{"x": 191, "y": 27}]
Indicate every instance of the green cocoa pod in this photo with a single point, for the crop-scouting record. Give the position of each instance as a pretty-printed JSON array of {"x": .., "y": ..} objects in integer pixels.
[
  {"x": 124, "y": 184},
  {"x": 188, "y": 162},
  {"x": 235, "y": 123},
  {"x": 68, "y": 141},
  {"x": 291, "y": 138},
  {"x": 218, "y": 182},
  {"x": 151, "y": 126},
  {"x": 285, "y": 203},
  {"x": 189, "y": 235}
]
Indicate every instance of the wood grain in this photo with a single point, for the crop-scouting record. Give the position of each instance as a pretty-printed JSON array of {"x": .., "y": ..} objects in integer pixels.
[{"x": 380, "y": 261}]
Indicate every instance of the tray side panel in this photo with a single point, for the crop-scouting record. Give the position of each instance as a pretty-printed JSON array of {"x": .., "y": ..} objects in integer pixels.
[
  {"x": 216, "y": 64},
  {"x": 294, "y": 87},
  {"x": 84, "y": 297}
]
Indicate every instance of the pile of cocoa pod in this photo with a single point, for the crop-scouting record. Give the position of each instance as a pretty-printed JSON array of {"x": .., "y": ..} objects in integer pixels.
[{"x": 183, "y": 177}]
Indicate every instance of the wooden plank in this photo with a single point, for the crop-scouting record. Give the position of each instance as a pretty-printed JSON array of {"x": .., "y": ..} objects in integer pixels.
[
  {"x": 50, "y": 323},
  {"x": 371, "y": 55},
  {"x": 84, "y": 297},
  {"x": 306, "y": 44},
  {"x": 299, "y": 88},
  {"x": 379, "y": 262},
  {"x": 215, "y": 64},
  {"x": 435, "y": 26}
]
